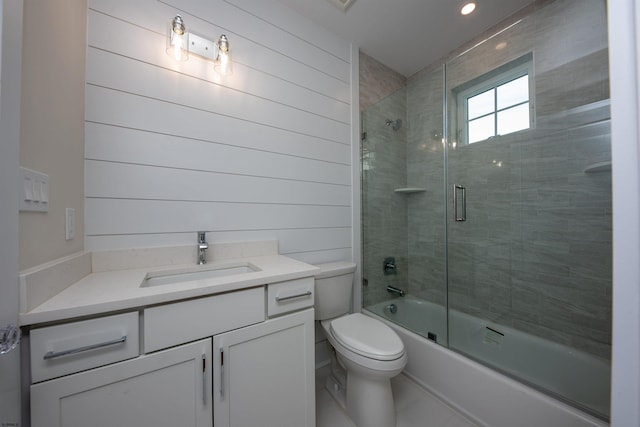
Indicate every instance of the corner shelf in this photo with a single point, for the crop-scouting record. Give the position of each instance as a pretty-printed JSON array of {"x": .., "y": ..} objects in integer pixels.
[
  {"x": 598, "y": 167},
  {"x": 410, "y": 190}
]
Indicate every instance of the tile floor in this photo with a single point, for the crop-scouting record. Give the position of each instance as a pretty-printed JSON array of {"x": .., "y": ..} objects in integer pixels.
[{"x": 415, "y": 407}]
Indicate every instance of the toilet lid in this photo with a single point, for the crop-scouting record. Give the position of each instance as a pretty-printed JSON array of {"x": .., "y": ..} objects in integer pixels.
[{"x": 367, "y": 336}]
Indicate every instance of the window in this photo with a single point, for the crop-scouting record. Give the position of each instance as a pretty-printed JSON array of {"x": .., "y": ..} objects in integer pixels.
[{"x": 498, "y": 103}]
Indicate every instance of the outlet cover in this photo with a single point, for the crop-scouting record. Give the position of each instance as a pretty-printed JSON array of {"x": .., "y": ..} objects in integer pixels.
[{"x": 70, "y": 223}]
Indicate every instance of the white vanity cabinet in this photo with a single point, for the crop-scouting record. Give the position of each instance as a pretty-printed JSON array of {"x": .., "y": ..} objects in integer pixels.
[
  {"x": 73, "y": 347},
  {"x": 243, "y": 358},
  {"x": 167, "y": 388},
  {"x": 265, "y": 374}
]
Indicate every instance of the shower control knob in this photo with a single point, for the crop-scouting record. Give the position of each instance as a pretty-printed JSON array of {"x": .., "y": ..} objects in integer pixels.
[{"x": 389, "y": 266}]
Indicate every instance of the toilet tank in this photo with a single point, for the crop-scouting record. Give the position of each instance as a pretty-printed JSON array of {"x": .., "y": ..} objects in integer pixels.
[{"x": 333, "y": 289}]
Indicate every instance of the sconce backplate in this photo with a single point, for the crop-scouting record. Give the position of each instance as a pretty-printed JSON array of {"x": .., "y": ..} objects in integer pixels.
[{"x": 202, "y": 47}]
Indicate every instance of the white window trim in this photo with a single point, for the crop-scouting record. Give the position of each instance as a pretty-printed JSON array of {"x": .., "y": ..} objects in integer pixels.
[{"x": 491, "y": 80}]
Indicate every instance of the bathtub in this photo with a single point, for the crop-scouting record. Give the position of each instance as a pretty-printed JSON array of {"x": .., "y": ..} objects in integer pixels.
[{"x": 490, "y": 397}]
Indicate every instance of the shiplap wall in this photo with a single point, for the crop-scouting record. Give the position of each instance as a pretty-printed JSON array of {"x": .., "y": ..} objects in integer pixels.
[{"x": 173, "y": 148}]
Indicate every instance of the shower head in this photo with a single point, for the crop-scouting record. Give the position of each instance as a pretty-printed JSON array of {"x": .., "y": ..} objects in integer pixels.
[{"x": 394, "y": 124}]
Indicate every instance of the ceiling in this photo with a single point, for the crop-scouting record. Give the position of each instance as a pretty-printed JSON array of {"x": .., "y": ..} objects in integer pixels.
[{"x": 406, "y": 35}]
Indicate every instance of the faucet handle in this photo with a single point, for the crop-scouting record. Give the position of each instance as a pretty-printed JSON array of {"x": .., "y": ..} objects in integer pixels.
[
  {"x": 389, "y": 266},
  {"x": 202, "y": 247}
]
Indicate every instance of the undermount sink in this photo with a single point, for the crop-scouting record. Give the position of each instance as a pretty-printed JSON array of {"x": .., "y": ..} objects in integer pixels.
[{"x": 168, "y": 277}]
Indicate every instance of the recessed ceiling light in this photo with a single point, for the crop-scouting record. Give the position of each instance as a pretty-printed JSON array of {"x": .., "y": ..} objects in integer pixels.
[{"x": 468, "y": 8}]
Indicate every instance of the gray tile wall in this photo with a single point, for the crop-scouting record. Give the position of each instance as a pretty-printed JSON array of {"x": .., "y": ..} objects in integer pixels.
[
  {"x": 383, "y": 97},
  {"x": 425, "y": 168},
  {"x": 384, "y": 211},
  {"x": 535, "y": 253},
  {"x": 377, "y": 81}
]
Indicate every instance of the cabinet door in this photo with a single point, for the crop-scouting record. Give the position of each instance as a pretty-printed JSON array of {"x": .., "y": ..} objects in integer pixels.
[
  {"x": 167, "y": 389},
  {"x": 266, "y": 374}
]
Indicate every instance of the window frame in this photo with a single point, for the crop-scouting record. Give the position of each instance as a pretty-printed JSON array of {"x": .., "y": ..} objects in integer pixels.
[{"x": 492, "y": 81}]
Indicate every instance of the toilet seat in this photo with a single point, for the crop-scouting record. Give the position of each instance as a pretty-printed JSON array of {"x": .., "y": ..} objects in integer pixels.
[{"x": 367, "y": 337}]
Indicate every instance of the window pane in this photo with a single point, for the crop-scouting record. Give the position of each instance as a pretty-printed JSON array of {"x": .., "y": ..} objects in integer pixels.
[
  {"x": 482, "y": 128},
  {"x": 514, "y": 92},
  {"x": 513, "y": 119},
  {"x": 481, "y": 104}
]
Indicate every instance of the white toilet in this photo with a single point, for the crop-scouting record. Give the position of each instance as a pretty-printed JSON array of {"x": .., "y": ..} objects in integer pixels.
[{"x": 370, "y": 351}]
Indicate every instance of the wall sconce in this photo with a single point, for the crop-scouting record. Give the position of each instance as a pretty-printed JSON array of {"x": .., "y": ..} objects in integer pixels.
[
  {"x": 180, "y": 44},
  {"x": 178, "y": 39},
  {"x": 223, "y": 61}
]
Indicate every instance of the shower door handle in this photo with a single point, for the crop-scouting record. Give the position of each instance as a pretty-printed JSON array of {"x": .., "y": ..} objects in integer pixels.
[{"x": 459, "y": 206}]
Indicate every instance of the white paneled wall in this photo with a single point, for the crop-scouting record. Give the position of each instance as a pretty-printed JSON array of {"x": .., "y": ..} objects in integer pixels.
[{"x": 172, "y": 148}]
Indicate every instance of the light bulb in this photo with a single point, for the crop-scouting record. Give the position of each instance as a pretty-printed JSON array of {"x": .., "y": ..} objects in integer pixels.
[
  {"x": 177, "y": 39},
  {"x": 223, "y": 65}
]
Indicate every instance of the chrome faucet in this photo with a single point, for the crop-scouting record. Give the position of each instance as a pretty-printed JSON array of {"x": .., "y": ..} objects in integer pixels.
[{"x": 202, "y": 247}]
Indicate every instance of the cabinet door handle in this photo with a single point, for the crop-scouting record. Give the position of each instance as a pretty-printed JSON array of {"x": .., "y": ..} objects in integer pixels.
[
  {"x": 221, "y": 371},
  {"x": 53, "y": 355},
  {"x": 204, "y": 380},
  {"x": 304, "y": 294}
]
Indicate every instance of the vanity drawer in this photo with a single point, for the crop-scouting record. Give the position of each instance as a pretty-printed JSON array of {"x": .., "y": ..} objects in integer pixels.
[
  {"x": 64, "y": 349},
  {"x": 180, "y": 322},
  {"x": 291, "y": 295}
]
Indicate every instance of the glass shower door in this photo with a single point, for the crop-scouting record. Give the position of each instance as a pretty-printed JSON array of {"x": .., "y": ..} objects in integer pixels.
[
  {"x": 529, "y": 203},
  {"x": 384, "y": 213}
]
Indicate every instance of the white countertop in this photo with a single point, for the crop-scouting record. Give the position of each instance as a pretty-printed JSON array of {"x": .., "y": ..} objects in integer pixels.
[{"x": 117, "y": 290}]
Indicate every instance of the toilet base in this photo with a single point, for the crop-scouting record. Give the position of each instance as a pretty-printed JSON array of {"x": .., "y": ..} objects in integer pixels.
[
  {"x": 337, "y": 391},
  {"x": 336, "y": 383},
  {"x": 366, "y": 394},
  {"x": 369, "y": 401}
]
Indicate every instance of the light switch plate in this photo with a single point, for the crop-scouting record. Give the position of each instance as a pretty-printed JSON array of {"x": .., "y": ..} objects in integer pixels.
[{"x": 34, "y": 195}]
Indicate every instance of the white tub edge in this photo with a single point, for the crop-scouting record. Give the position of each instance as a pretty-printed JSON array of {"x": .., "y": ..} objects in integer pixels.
[{"x": 480, "y": 393}]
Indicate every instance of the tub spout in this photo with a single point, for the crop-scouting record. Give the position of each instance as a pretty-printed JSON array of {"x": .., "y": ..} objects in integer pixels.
[{"x": 396, "y": 291}]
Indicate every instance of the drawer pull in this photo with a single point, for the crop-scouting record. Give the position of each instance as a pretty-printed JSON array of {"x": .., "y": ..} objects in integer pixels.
[
  {"x": 53, "y": 355},
  {"x": 305, "y": 294}
]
